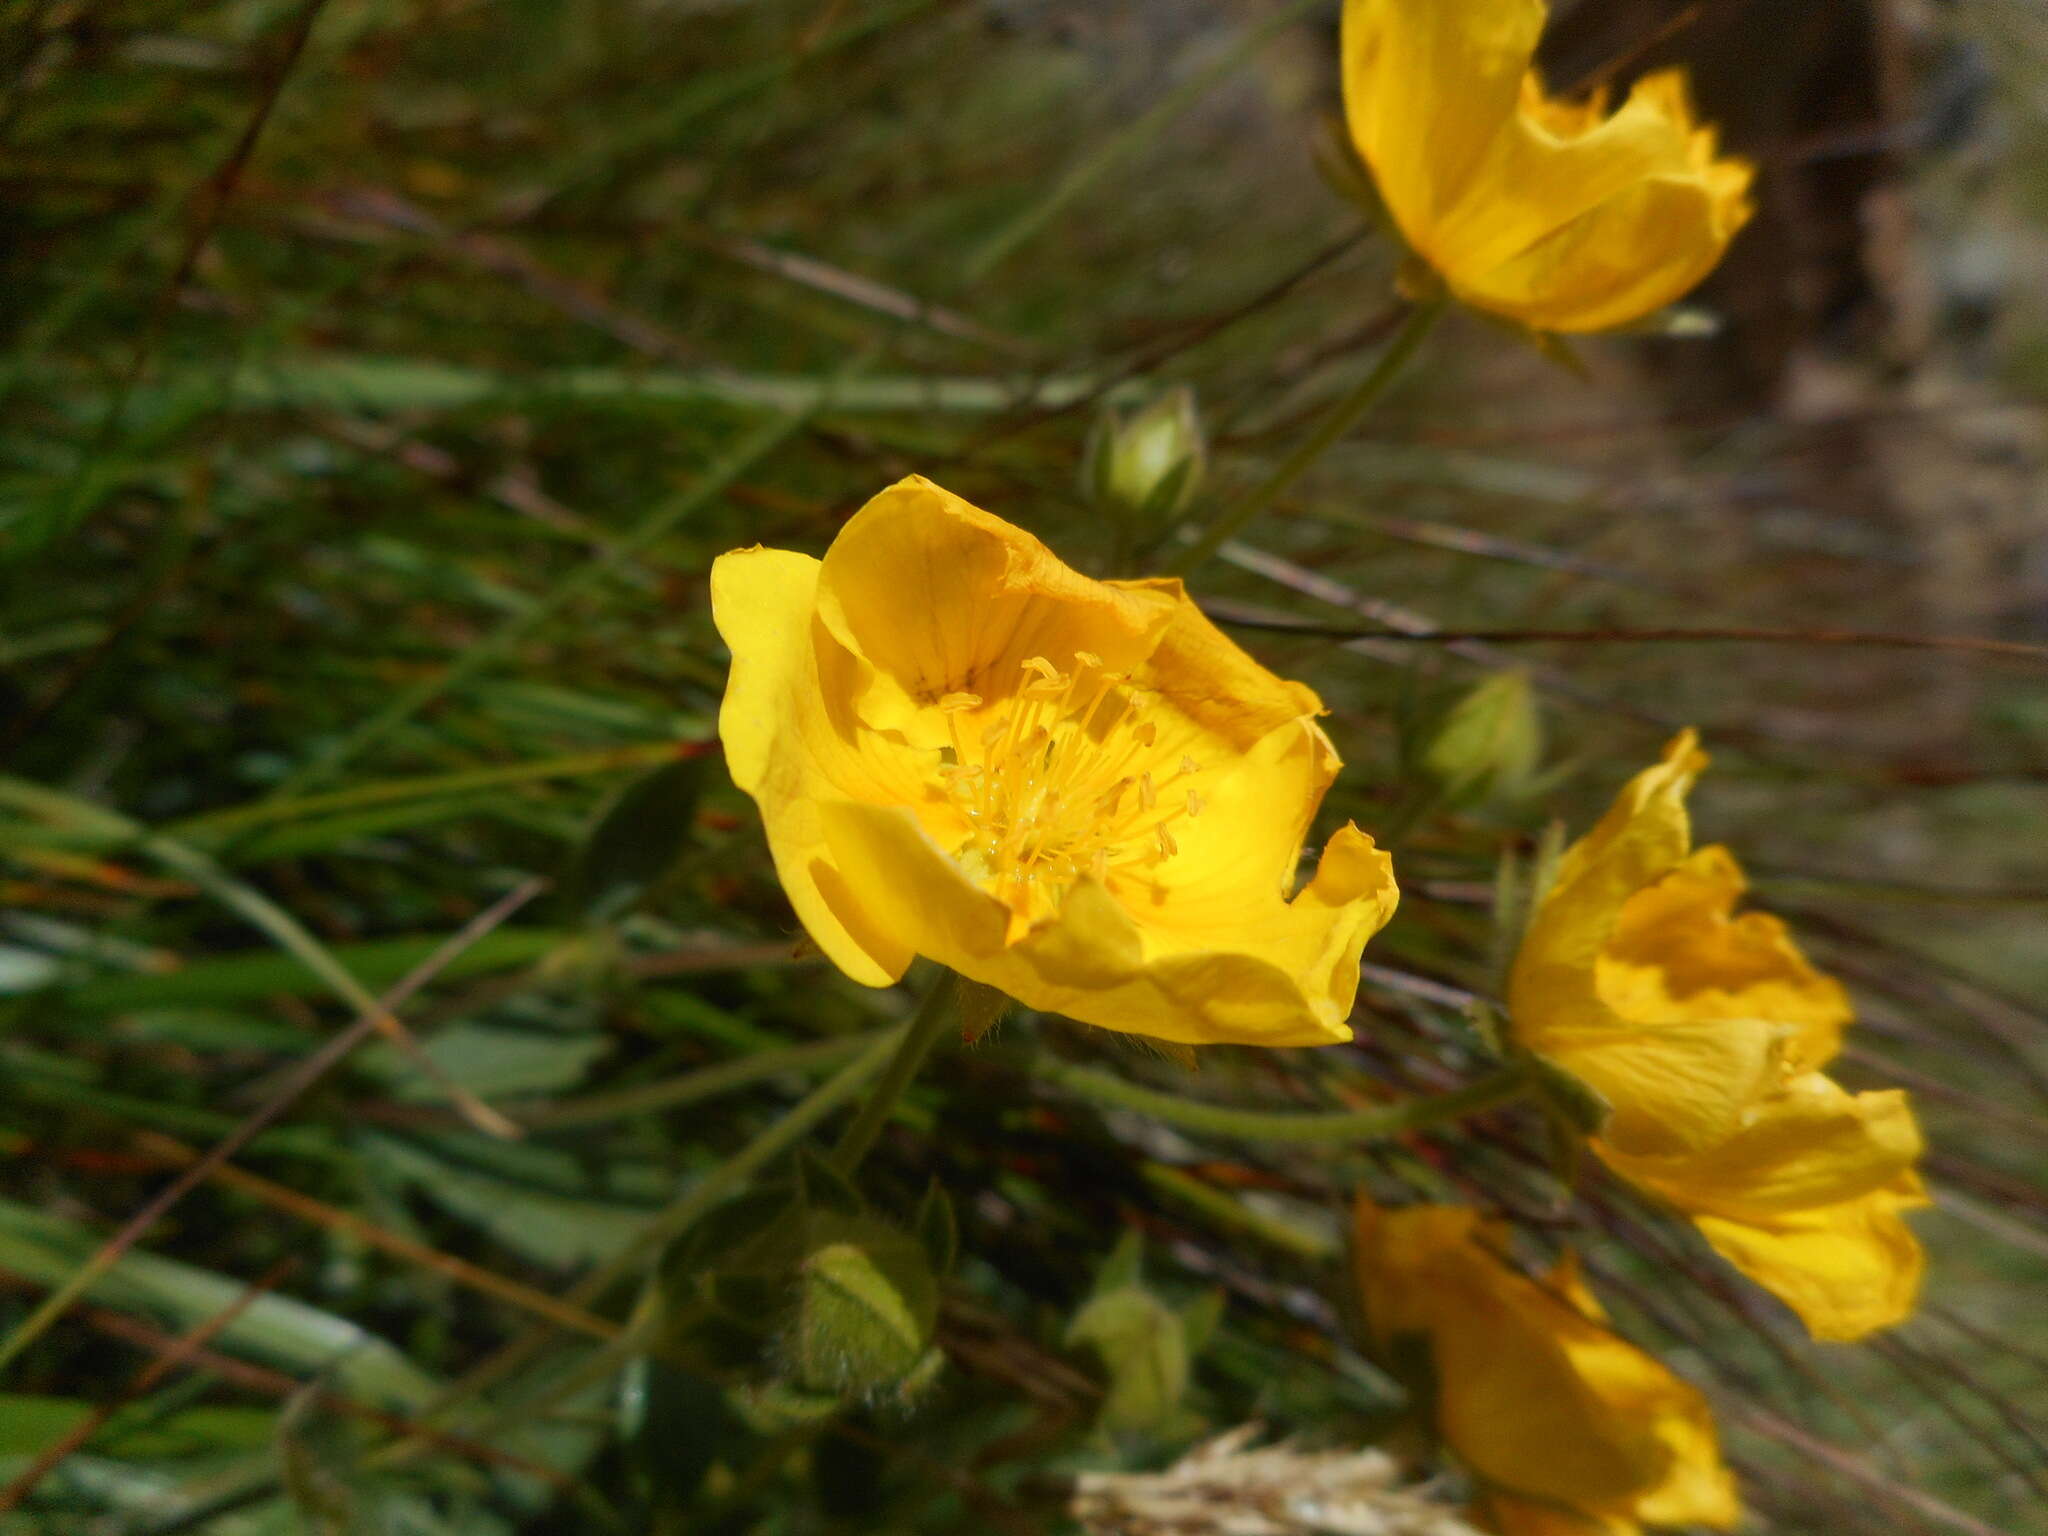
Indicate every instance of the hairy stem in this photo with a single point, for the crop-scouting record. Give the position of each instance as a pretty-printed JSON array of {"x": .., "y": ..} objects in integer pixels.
[
  {"x": 1376, "y": 1124},
  {"x": 939, "y": 1009}
]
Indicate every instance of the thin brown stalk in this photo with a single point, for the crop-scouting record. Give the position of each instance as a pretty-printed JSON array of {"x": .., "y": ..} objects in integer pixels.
[
  {"x": 1730, "y": 634},
  {"x": 321, "y": 1214}
]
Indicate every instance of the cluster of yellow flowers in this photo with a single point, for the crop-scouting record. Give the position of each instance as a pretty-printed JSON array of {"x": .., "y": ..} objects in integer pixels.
[{"x": 1082, "y": 793}]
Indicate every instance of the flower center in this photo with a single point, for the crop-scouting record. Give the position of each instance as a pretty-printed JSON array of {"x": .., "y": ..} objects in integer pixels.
[{"x": 1065, "y": 782}]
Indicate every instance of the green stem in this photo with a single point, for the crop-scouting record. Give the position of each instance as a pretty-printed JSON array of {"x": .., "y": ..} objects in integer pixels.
[
  {"x": 939, "y": 1009},
  {"x": 1377, "y": 1124},
  {"x": 646, "y": 1098},
  {"x": 1348, "y": 413}
]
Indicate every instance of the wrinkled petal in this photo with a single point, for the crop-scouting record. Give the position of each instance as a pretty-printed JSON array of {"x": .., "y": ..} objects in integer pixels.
[
  {"x": 1806, "y": 1201},
  {"x": 941, "y": 598},
  {"x": 790, "y": 739},
  {"x": 1813, "y": 1144},
  {"x": 1847, "y": 1270},
  {"x": 1677, "y": 952},
  {"x": 1288, "y": 979},
  {"x": 1427, "y": 89},
  {"x": 1643, "y": 248},
  {"x": 1673, "y": 1086}
]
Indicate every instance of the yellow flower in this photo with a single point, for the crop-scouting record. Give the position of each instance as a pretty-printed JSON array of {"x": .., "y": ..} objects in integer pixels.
[
  {"x": 1077, "y": 791},
  {"x": 1554, "y": 214},
  {"x": 1568, "y": 1427},
  {"x": 1707, "y": 1033}
]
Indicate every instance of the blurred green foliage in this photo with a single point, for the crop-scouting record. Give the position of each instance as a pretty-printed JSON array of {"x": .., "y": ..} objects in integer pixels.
[{"x": 379, "y": 379}]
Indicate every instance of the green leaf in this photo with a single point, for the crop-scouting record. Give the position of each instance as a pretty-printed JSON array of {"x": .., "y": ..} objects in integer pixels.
[
  {"x": 30, "y": 1423},
  {"x": 638, "y": 840},
  {"x": 561, "y": 1227},
  {"x": 277, "y": 1329},
  {"x": 259, "y": 974},
  {"x": 491, "y": 1061}
]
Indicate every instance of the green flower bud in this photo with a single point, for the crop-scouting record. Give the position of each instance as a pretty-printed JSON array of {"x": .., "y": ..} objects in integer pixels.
[
  {"x": 1485, "y": 746},
  {"x": 867, "y": 1308},
  {"x": 800, "y": 1285},
  {"x": 1146, "y": 466}
]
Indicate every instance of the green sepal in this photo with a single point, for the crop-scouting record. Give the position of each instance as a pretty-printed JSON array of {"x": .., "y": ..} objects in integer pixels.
[
  {"x": 938, "y": 1228},
  {"x": 1144, "y": 1351},
  {"x": 822, "y": 1188}
]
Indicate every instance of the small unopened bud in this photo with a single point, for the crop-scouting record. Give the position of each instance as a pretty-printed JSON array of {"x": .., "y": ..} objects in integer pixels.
[
  {"x": 1486, "y": 746},
  {"x": 867, "y": 1310},
  {"x": 1146, "y": 466}
]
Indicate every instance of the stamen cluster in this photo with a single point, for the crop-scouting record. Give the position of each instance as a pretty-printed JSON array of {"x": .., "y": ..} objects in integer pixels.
[{"x": 1065, "y": 781}]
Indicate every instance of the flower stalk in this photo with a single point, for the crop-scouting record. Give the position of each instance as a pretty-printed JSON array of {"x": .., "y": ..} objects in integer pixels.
[
  {"x": 940, "y": 1008},
  {"x": 1347, "y": 413},
  {"x": 1380, "y": 1123}
]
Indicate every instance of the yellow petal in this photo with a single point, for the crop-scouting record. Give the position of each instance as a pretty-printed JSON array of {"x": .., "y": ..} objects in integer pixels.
[
  {"x": 1810, "y": 1145},
  {"x": 1509, "y": 1516},
  {"x": 1643, "y": 248},
  {"x": 791, "y": 740},
  {"x": 1641, "y": 838},
  {"x": 1428, "y": 87},
  {"x": 1806, "y": 1201},
  {"x": 1286, "y": 979},
  {"x": 1847, "y": 1270},
  {"x": 1676, "y": 1086},
  {"x": 1199, "y": 672},
  {"x": 1534, "y": 1391},
  {"x": 1600, "y": 223},
  {"x": 1677, "y": 953},
  {"x": 1552, "y": 213},
  {"x": 941, "y": 598}
]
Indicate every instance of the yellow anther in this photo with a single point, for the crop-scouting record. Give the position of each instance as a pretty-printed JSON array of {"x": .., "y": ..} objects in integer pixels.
[
  {"x": 1188, "y": 767},
  {"x": 958, "y": 701},
  {"x": 1194, "y": 805},
  {"x": 1167, "y": 846},
  {"x": 1046, "y": 671},
  {"x": 1145, "y": 733},
  {"x": 1147, "y": 795}
]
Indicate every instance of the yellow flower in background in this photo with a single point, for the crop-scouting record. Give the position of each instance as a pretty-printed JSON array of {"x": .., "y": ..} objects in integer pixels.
[
  {"x": 1558, "y": 215},
  {"x": 1567, "y": 1426},
  {"x": 1707, "y": 1033},
  {"x": 1079, "y": 792}
]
